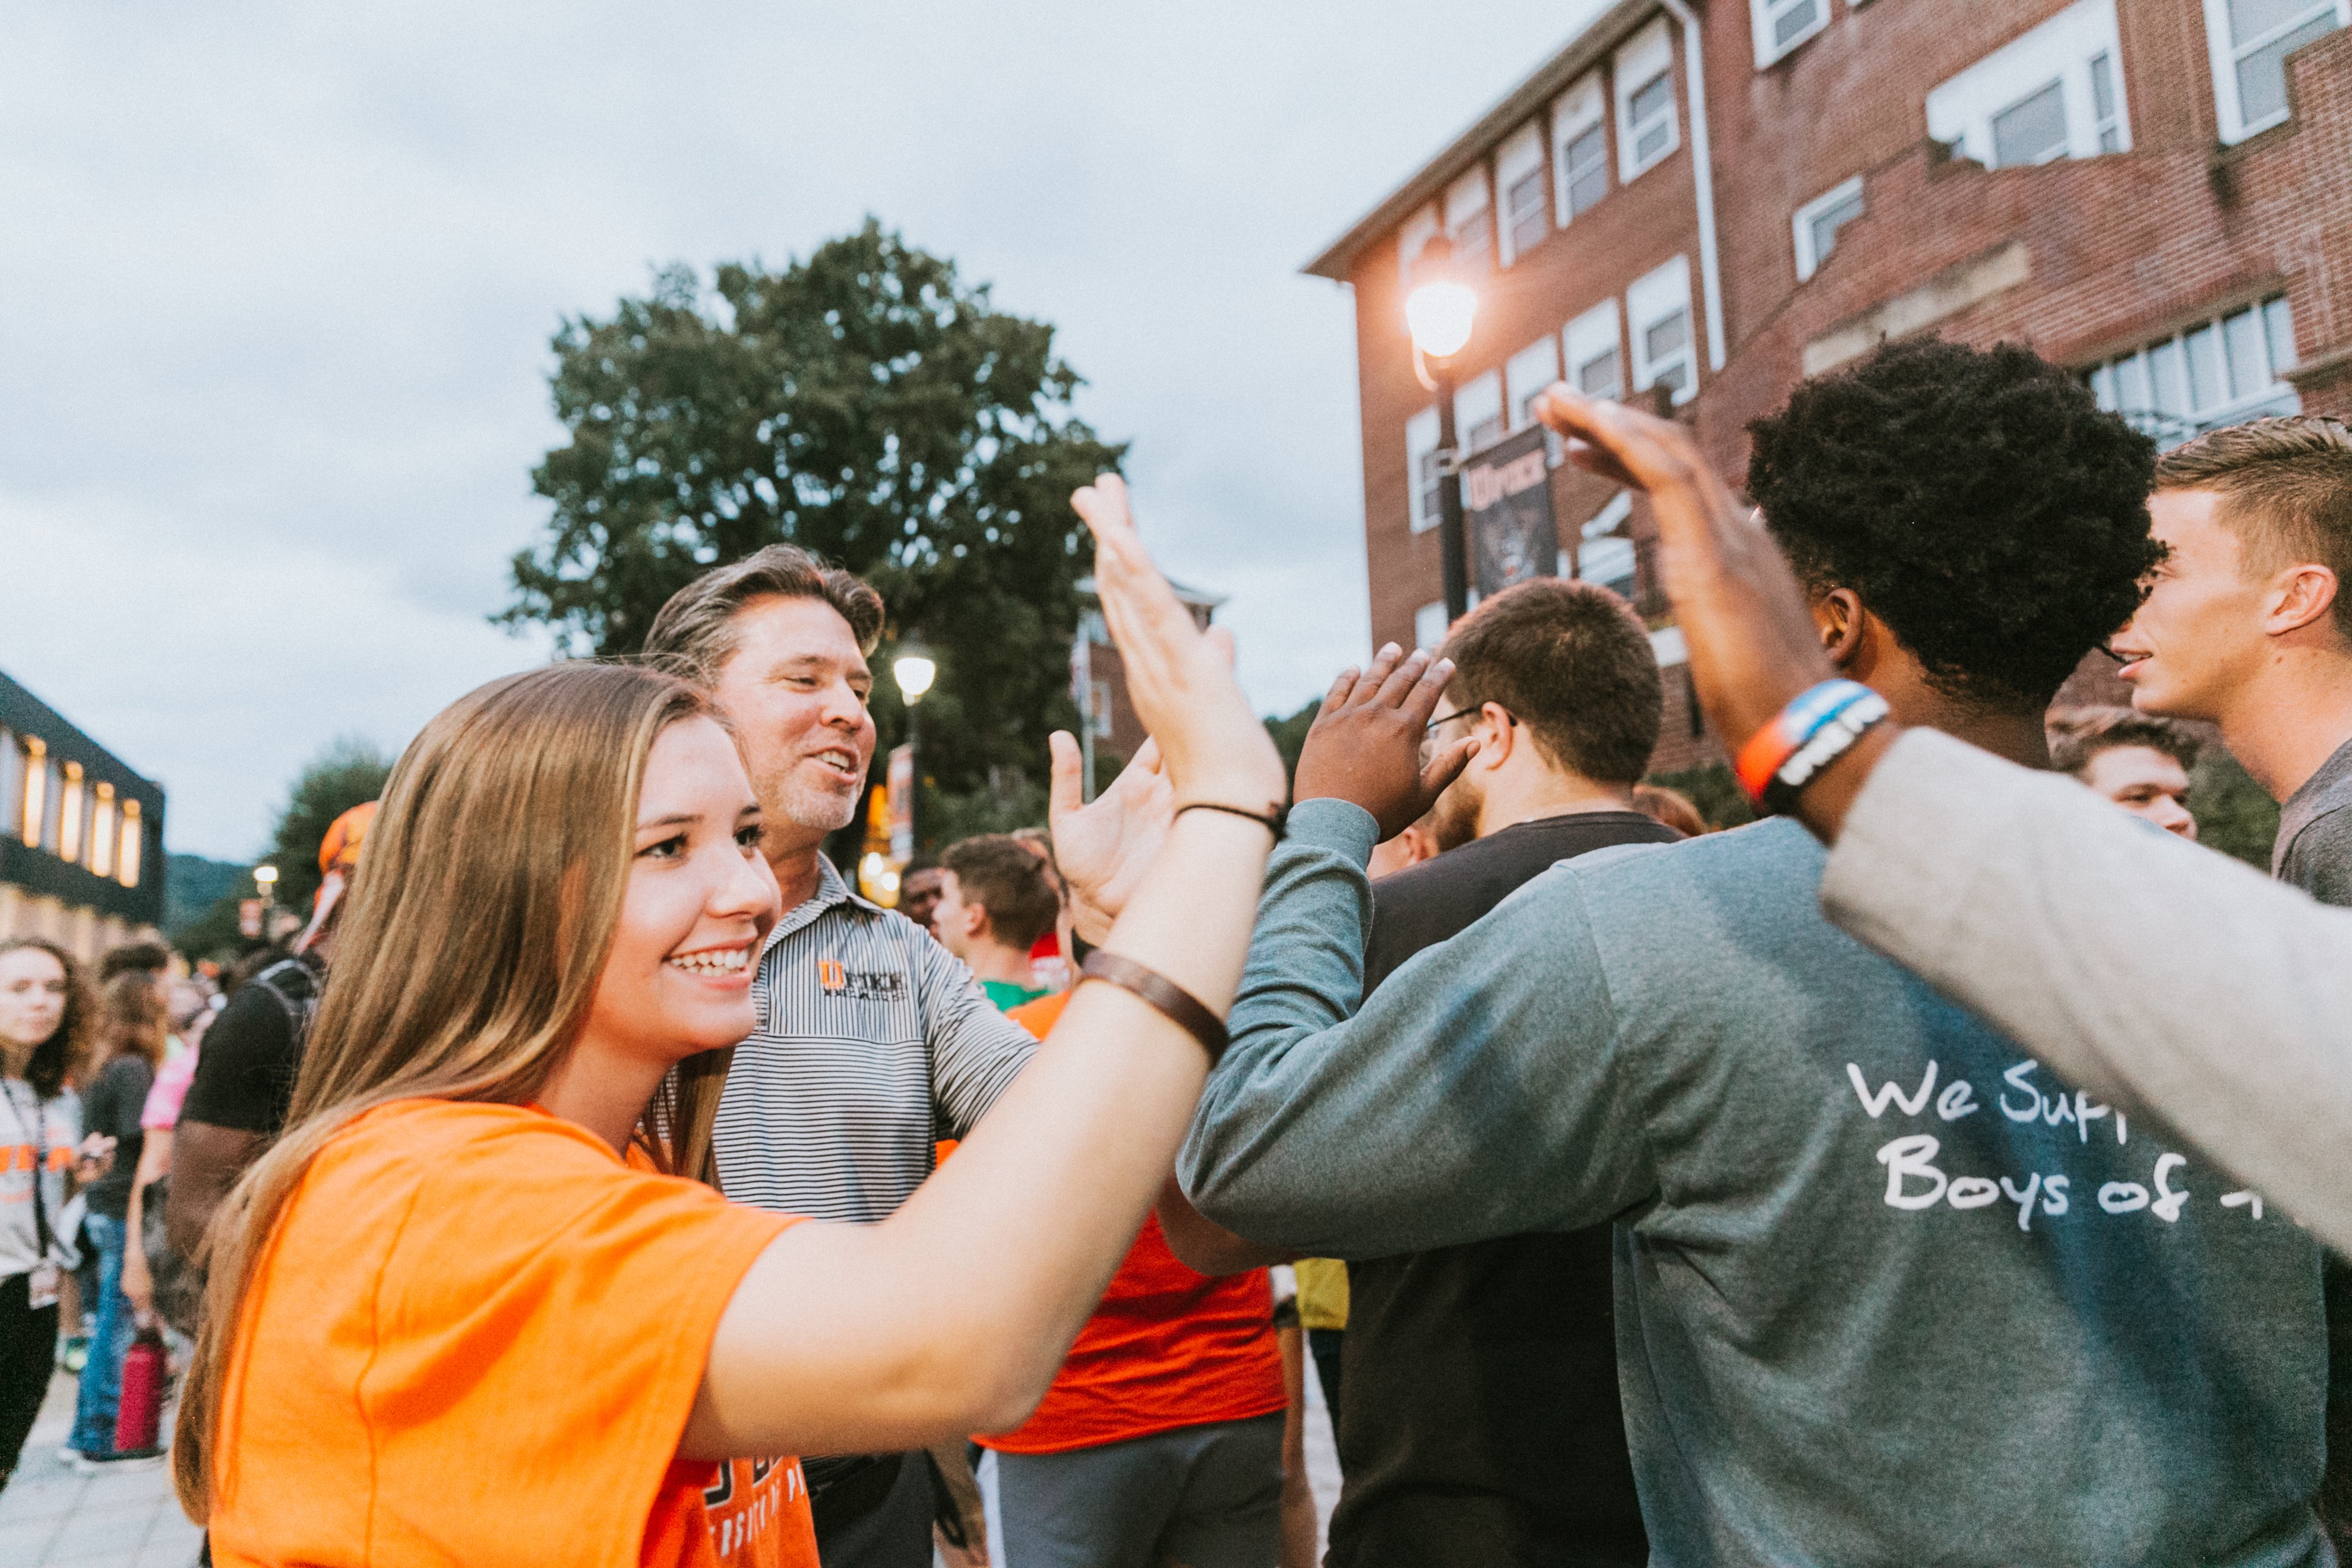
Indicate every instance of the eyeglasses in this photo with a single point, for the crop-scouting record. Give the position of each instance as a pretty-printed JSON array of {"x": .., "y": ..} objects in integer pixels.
[{"x": 1429, "y": 730}]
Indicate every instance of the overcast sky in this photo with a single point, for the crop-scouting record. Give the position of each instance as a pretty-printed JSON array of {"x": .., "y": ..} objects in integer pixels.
[{"x": 277, "y": 283}]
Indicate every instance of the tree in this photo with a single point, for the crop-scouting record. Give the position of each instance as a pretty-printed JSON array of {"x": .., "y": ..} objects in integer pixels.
[
  {"x": 350, "y": 771},
  {"x": 869, "y": 404}
]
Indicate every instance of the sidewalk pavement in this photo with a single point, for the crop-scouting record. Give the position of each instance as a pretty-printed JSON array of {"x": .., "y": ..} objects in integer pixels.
[{"x": 52, "y": 1517}]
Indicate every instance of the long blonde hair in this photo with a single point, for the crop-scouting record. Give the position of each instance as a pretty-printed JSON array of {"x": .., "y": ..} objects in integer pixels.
[{"x": 478, "y": 930}]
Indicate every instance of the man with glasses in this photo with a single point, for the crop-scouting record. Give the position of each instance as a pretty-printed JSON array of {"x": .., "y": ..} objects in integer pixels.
[{"x": 1481, "y": 1420}]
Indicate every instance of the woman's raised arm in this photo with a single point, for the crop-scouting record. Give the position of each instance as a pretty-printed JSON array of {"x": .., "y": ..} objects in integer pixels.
[{"x": 953, "y": 1315}]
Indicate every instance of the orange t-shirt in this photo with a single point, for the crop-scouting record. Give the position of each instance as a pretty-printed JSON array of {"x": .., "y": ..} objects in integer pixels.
[
  {"x": 1166, "y": 1348},
  {"x": 475, "y": 1337}
]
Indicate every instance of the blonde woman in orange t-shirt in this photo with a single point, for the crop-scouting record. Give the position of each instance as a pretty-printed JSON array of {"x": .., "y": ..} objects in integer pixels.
[{"x": 471, "y": 1309}]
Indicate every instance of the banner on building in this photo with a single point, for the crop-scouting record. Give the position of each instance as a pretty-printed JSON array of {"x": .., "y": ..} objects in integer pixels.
[
  {"x": 1506, "y": 510},
  {"x": 901, "y": 789}
]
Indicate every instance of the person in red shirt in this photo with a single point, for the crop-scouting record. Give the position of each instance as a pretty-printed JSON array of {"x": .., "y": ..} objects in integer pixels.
[
  {"x": 476, "y": 1306},
  {"x": 1161, "y": 1438}
]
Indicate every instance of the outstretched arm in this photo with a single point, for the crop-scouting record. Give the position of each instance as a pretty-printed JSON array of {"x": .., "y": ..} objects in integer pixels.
[
  {"x": 953, "y": 1315},
  {"x": 1387, "y": 1131}
]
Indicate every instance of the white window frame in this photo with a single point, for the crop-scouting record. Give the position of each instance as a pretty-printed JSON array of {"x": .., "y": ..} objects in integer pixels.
[
  {"x": 1469, "y": 202},
  {"x": 1527, "y": 373},
  {"x": 1581, "y": 108},
  {"x": 2154, "y": 387},
  {"x": 1637, "y": 64},
  {"x": 1583, "y": 338},
  {"x": 1764, "y": 14},
  {"x": 2223, "y": 47},
  {"x": 1809, "y": 260},
  {"x": 1521, "y": 155},
  {"x": 1419, "y": 441},
  {"x": 1478, "y": 400},
  {"x": 1649, "y": 301},
  {"x": 1961, "y": 109},
  {"x": 1414, "y": 236},
  {"x": 1430, "y": 627}
]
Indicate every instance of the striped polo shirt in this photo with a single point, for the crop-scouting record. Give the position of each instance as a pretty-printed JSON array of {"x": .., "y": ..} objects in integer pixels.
[{"x": 874, "y": 1041}]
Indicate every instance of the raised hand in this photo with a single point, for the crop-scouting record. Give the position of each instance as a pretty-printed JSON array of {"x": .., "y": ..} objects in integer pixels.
[
  {"x": 1179, "y": 679},
  {"x": 1103, "y": 847},
  {"x": 1366, "y": 742},
  {"x": 1753, "y": 644}
]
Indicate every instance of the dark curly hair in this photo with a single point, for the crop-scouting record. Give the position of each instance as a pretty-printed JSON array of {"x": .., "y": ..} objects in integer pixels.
[{"x": 1977, "y": 500}]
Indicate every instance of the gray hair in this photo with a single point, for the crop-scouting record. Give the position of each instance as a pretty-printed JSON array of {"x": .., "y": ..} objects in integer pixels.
[{"x": 695, "y": 633}]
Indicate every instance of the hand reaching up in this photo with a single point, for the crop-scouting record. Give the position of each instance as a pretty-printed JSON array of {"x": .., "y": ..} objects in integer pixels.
[
  {"x": 1181, "y": 679},
  {"x": 1753, "y": 644},
  {"x": 1366, "y": 742},
  {"x": 1104, "y": 846}
]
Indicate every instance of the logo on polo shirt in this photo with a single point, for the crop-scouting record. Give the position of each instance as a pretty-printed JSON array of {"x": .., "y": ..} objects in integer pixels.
[{"x": 859, "y": 984}]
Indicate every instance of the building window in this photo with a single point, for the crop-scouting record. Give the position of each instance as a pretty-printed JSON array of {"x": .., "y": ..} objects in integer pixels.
[
  {"x": 1579, "y": 148},
  {"x": 1604, "y": 555},
  {"x": 11, "y": 785},
  {"x": 2033, "y": 129},
  {"x": 1413, "y": 238},
  {"x": 2222, "y": 372},
  {"x": 102, "y": 832},
  {"x": 2055, "y": 91},
  {"x": 1527, "y": 374},
  {"x": 1781, "y": 25},
  {"x": 1647, "y": 126},
  {"x": 2106, "y": 111},
  {"x": 1478, "y": 413},
  {"x": 126, "y": 870},
  {"x": 1099, "y": 710},
  {"x": 1658, "y": 312},
  {"x": 130, "y": 850},
  {"x": 1469, "y": 220},
  {"x": 1421, "y": 463},
  {"x": 1527, "y": 203},
  {"x": 1429, "y": 627},
  {"x": 1818, "y": 222},
  {"x": 71, "y": 806},
  {"x": 1594, "y": 363},
  {"x": 2250, "y": 40},
  {"x": 35, "y": 800}
]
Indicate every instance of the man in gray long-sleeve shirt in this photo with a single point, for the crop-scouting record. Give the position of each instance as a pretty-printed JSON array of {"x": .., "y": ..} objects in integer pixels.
[{"x": 1888, "y": 1293}]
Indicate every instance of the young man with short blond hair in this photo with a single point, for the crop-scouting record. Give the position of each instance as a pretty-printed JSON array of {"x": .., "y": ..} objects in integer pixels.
[{"x": 2248, "y": 623}]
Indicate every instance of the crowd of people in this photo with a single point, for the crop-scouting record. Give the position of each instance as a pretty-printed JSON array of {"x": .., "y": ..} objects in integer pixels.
[{"x": 1912, "y": 1176}]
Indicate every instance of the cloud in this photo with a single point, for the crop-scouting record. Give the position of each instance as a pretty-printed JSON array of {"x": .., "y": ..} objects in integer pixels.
[{"x": 281, "y": 280}]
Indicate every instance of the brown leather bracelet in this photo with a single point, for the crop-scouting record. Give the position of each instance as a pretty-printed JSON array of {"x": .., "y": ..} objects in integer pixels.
[{"x": 1180, "y": 1007}]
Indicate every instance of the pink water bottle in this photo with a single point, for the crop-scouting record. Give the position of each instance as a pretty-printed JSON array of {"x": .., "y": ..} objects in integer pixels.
[{"x": 141, "y": 1413}]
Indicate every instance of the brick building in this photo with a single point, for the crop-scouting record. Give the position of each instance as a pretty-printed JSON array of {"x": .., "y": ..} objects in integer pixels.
[{"x": 2157, "y": 192}]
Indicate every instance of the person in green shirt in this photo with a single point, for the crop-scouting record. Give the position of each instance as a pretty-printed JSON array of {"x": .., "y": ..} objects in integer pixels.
[{"x": 996, "y": 899}]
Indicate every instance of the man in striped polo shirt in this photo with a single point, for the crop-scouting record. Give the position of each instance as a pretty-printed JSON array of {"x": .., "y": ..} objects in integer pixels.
[{"x": 873, "y": 1042}]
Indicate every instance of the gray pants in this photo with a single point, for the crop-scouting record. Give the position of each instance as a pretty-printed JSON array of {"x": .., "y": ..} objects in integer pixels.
[{"x": 1201, "y": 1497}]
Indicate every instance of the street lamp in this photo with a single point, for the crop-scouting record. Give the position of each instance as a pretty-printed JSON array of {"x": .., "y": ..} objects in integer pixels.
[
  {"x": 914, "y": 669},
  {"x": 1440, "y": 312},
  {"x": 264, "y": 880}
]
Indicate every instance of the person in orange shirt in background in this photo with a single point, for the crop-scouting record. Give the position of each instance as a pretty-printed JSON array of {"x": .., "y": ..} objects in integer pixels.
[
  {"x": 474, "y": 1305},
  {"x": 1161, "y": 1438}
]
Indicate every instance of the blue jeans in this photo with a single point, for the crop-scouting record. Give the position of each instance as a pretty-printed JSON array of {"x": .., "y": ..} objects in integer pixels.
[{"x": 101, "y": 1375}]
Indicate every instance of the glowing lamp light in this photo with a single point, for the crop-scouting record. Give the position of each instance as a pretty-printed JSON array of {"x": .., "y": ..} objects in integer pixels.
[
  {"x": 1440, "y": 314},
  {"x": 914, "y": 669},
  {"x": 265, "y": 875}
]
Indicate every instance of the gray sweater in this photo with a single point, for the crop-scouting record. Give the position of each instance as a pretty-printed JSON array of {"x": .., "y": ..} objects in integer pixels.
[
  {"x": 2131, "y": 962},
  {"x": 1887, "y": 1291}
]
